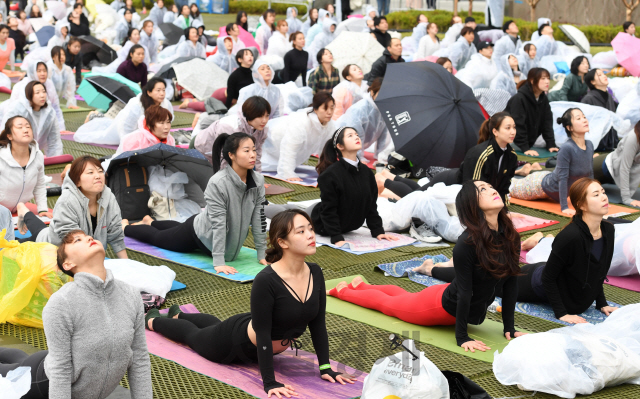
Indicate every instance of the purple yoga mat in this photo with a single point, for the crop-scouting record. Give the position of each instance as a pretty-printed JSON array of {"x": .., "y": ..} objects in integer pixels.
[
  {"x": 70, "y": 137},
  {"x": 631, "y": 283},
  {"x": 176, "y": 108},
  {"x": 300, "y": 371}
]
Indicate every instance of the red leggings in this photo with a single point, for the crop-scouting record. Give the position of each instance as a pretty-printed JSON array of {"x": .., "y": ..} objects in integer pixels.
[{"x": 423, "y": 308}]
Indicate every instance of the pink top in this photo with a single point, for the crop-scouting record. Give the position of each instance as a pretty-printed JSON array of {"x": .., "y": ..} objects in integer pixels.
[
  {"x": 142, "y": 138},
  {"x": 25, "y": 27},
  {"x": 6, "y": 53},
  {"x": 343, "y": 100}
]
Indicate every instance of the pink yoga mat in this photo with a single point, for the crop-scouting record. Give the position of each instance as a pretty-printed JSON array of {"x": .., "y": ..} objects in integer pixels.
[
  {"x": 631, "y": 283},
  {"x": 300, "y": 371},
  {"x": 526, "y": 222},
  {"x": 70, "y": 137},
  {"x": 58, "y": 159}
]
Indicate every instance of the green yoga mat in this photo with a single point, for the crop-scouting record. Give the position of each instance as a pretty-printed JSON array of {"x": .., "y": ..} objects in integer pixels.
[
  {"x": 71, "y": 110},
  {"x": 489, "y": 332},
  {"x": 542, "y": 153}
]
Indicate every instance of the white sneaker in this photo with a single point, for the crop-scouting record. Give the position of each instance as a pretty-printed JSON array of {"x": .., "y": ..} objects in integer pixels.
[{"x": 424, "y": 233}]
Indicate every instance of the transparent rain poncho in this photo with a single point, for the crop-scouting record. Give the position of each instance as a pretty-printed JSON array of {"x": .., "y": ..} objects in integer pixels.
[
  {"x": 295, "y": 25},
  {"x": 45, "y": 129},
  {"x": 504, "y": 80},
  {"x": 504, "y": 46},
  {"x": 479, "y": 72},
  {"x": 269, "y": 92},
  {"x": 18, "y": 91},
  {"x": 227, "y": 62},
  {"x": 64, "y": 81},
  {"x": 321, "y": 40}
]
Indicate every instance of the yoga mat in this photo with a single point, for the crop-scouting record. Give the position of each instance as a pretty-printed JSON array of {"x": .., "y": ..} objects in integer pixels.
[
  {"x": 246, "y": 264},
  {"x": 554, "y": 207},
  {"x": 525, "y": 222},
  {"x": 307, "y": 173},
  {"x": 33, "y": 208},
  {"x": 13, "y": 74},
  {"x": 70, "y": 136},
  {"x": 58, "y": 159},
  {"x": 300, "y": 371},
  {"x": 442, "y": 337},
  {"x": 71, "y": 110},
  {"x": 177, "y": 286},
  {"x": 79, "y": 97},
  {"x": 369, "y": 160},
  {"x": 539, "y": 310},
  {"x": 176, "y": 108},
  {"x": 613, "y": 192},
  {"x": 274, "y": 189},
  {"x": 542, "y": 153},
  {"x": 631, "y": 283},
  {"x": 360, "y": 242}
]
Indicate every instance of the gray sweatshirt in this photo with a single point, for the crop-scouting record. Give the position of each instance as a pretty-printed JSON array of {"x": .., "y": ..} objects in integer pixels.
[
  {"x": 95, "y": 333},
  {"x": 72, "y": 212},
  {"x": 624, "y": 166},
  {"x": 231, "y": 207},
  {"x": 21, "y": 185},
  {"x": 573, "y": 163}
]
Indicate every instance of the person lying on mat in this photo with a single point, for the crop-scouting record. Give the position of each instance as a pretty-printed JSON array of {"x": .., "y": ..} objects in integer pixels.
[
  {"x": 235, "y": 200},
  {"x": 94, "y": 327},
  {"x": 622, "y": 167},
  {"x": 580, "y": 258},
  {"x": 575, "y": 160},
  {"x": 86, "y": 204},
  {"x": 21, "y": 167},
  {"x": 492, "y": 160},
  {"x": 286, "y": 297},
  {"x": 348, "y": 191},
  {"x": 487, "y": 256}
]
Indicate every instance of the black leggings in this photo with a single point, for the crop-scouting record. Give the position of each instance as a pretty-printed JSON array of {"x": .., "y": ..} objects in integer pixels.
[
  {"x": 168, "y": 234},
  {"x": 526, "y": 292},
  {"x": 219, "y": 341},
  {"x": 35, "y": 226},
  {"x": 11, "y": 359},
  {"x": 403, "y": 187}
]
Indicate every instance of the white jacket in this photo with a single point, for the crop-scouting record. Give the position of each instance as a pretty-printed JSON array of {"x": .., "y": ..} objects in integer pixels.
[
  {"x": 426, "y": 47},
  {"x": 278, "y": 44},
  {"x": 479, "y": 72},
  {"x": 292, "y": 139},
  {"x": 22, "y": 185},
  {"x": 46, "y": 132},
  {"x": 151, "y": 43},
  {"x": 64, "y": 81}
]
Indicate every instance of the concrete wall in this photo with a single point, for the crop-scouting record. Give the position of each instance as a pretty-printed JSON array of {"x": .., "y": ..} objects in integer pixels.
[{"x": 579, "y": 12}]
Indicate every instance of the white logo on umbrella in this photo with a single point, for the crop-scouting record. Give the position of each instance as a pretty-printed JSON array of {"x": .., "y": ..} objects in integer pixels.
[{"x": 403, "y": 118}]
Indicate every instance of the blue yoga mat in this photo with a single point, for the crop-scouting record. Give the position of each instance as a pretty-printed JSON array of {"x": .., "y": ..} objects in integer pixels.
[
  {"x": 542, "y": 153},
  {"x": 539, "y": 310},
  {"x": 177, "y": 286}
]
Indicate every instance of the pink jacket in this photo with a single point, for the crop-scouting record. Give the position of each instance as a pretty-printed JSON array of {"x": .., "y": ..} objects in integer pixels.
[
  {"x": 141, "y": 138},
  {"x": 25, "y": 27},
  {"x": 230, "y": 124}
]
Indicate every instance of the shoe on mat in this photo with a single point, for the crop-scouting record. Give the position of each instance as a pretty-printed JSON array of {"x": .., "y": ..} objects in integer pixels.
[
  {"x": 173, "y": 310},
  {"x": 424, "y": 233},
  {"x": 151, "y": 314}
]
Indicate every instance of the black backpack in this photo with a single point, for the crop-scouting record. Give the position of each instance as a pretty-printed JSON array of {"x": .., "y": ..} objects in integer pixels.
[{"x": 129, "y": 183}]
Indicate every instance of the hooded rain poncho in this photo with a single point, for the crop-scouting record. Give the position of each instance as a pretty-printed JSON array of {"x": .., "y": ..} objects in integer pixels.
[
  {"x": 479, "y": 72},
  {"x": 317, "y": 28},
  {"x": 505, "y": 78},
  {"x": 157, "y": 15},
  {"x": 64, "y": 81},
  {"x": 410, "y": 43},
  {"x": 45, "y": 129},
  {"x": 122, "y": 30},
  {"x": 452, "y": 34},
  {"x": 186, "y": 48},
  {"x": 151, "y": 43},
  {"x": 22, "y": 184},
  {"x": 269, "y": 92},
  {"x": 291, "y": 141},
  {"x": 169, "y": 17},
  {"x": 345, "y": 94},
  {"x": 227, "y": 62},
  {"x": 365, "y": 117},
  {"x": 278, "y": 45},
  {"x": 505, "y": 46},
  {"x": 263, "y": 34},
  {"x": 525, "y": 62},
  {"x": 57, "y": 39},
  {"x": 459, "y": 53},
  {"x": 541, "y": 21},
  {"x": 321, "y": 40},
  {"x": 545, "y": 46},
  {"x": 295, "y": 25}
]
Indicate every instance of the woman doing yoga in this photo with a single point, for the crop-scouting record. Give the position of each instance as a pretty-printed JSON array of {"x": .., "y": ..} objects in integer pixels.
[
  {"x": 488, "y": 253},
  {"x": 580, "y": 258},
  {"x": 286, "y": 297}
]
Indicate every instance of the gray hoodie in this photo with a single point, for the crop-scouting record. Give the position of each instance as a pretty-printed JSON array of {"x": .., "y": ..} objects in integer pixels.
[
  {"x": 21, "y": 185},
  {"x": 95, "y": 333},
  {"x": 231, "y": 207},
  {"x": 72, "y": 212}
]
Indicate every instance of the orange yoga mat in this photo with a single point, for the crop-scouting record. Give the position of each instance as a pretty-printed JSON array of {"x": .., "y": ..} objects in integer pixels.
[
  {"x": 554, "y": 207},
  {"x": 12, "y": 74}
]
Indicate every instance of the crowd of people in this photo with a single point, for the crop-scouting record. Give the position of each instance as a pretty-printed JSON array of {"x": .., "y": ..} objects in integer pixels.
[{"x": 261, "y": 123}]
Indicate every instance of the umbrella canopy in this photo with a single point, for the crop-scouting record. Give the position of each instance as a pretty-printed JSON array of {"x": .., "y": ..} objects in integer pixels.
[
  {"x": 200, "y": 77},
  {"x": 45, "y": 34},
  {"x": 627, "y": 50},
  {"x": 57, "y": 8},
  {"x": 171, "y": 33},
  {"x": 191, "y": 162},
  {"x": 38, "y": 23},
  {"x": 358, "y": 48},
  {"x": 432, "y": 116},
  {"x": 577, "y": 37},
  {"x": 100, "y": 90},
  {"x": 166, "y": 70},
  {"x": 104, "y": 53},
  {"x": 246, "y": 37},
  {"x": 351, "y": 25}
]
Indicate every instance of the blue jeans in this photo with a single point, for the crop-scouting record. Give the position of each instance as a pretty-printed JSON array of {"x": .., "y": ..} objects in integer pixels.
[{"x": 383, "y": 7}]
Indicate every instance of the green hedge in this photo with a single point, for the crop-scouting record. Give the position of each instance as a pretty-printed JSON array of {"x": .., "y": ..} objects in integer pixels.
[
  {"x": 252, "y": 7},
  {"x": 595, "y": 33}
]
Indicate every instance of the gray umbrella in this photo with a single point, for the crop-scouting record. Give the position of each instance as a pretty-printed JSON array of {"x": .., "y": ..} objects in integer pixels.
[{"x": 201, "y": 78}]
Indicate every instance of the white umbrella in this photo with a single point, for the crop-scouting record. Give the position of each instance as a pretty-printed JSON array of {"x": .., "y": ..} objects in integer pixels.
[
  {"x": 38, "y": 23},
  {"x": 57, "y": 9},
  {"x": 358, "y": 48},
  {"x": 200, "y": 78},
  {"x": 351, "y": 25},
  {"x": 577, "y": 37}
]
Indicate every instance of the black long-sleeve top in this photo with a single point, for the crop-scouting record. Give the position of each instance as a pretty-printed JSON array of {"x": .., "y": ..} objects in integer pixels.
[
  {"x": 573, "y": 277},
  {"x": 474, "y": 289},
  {"x": 277, "y": 315},
  {"x": 347, "y": 198},
  {"x": 532, "y": 117},
  {"x": 295, "y": 64},
  {"x": 79, "y": 30},
  {"x": 74, "y": 61},
  {"x": 481, "y": 163},
  {"x": 238, "y": 79}
]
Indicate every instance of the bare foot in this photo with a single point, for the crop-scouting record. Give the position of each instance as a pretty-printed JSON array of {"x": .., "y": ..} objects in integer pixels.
[
  {"x": 525, "y": 170},
  {"x": 195, "y": 121},
  {"x": 380, "y": 182},
  {"x": 147, "y": 220},
  {"x": 185, "y": 104},
  {"x": 536, "y": 166},
  {"x": 387, "y": 173},
  {"x": 150, "y": 324},
  {"x": 425, "y": 267},
  {"x": 389, "y": 194},
  {"x": 341, "y": 285},
  {"x": 356, "y": 281},
  {"x": 125, "y": 223},
  {"x": 531, "y": 242}
]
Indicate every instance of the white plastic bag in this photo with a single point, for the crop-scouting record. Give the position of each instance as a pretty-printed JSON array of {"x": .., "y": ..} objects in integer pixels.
[
  {"x": 167, "y": 183},
  {"x": 403, "y": 377},
  {"x": 155, "y": 280},
  {"x": 541, "y": 252},
  {"x": 16, "y": 384},
  {"x": 626, "y": 251},
  {"x": 579, "y": 359}
]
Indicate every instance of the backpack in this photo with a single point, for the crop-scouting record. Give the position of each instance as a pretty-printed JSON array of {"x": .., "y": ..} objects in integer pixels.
[{"x": 129, "y": 183}]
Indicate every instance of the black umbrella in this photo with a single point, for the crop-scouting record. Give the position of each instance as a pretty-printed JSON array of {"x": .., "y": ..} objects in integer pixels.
[
  {"x": 166, "y": 70},
  {"x": 91, "y": 45},
  {"x": 171, "y": 32},
  {"x": 433, "y": 117},
  {"x": 112, "y": 88},
  {"x": 191, "y": 162}
]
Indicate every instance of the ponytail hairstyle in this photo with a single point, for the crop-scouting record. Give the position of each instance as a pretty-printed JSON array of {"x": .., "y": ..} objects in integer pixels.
[
  {"x": 281, "y": 226},
  {"x": 499, "y": 257},
  {"x": 375, "y": 86},
  {"x": 145, "y": 99},
  {"x": 578, "y": 193},
  {"x": 225, "y": 144},
  {"x": 565, "y": 120},
  {"x": 330, "y": 152},
  {"x": 124, "y": 41},
  {"x": 486, "y": 130}
]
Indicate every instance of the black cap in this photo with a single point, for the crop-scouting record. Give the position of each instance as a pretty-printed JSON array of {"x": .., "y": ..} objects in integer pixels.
[
  {"x": 483, "y": 45},
  {"x": 469, "y": 19}
]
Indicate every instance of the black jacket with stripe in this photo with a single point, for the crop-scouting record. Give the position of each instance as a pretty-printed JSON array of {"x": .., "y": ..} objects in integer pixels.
[{"x": 481, "y": 163}]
